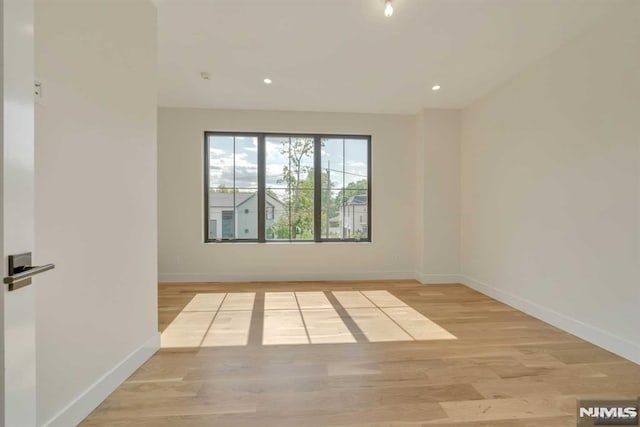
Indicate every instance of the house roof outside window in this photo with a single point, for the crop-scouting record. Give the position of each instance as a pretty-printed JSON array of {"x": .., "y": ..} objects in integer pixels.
[
  {"x": 360, "y": 199},
  {"x": 218, "y": 199}
]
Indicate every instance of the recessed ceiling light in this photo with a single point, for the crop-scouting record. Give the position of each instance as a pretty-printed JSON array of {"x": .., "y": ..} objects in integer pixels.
[
  {"x": 388, "y": 8},
  {"x": 267, "y": 81},
  {"x": 436, "y": 87}
]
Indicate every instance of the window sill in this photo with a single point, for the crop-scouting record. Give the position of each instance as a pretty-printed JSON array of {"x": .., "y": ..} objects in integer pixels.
[{"x": 301, "y": 242}]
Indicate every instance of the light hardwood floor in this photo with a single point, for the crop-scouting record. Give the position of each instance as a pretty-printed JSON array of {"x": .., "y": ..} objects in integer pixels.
[{"x": 502, "y": 368}]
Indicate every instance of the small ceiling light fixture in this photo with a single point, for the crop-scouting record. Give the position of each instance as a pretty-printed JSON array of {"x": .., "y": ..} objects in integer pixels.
[
  {"x": 267, "y": 81},
  {"x": 205, "y": 75},
  {"x": 435, "y": 88},
  {"x": 388, "y": 8}
]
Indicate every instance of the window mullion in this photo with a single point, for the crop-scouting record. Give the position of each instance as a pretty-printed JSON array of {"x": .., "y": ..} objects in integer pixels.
[
  {"x": 369, "y": 189},
  {"x": 261, "y": 188},
  {"x": 317, "y": 189},
  {"x": 207, "y": 172},
  {"x": 235, "y": 192}
]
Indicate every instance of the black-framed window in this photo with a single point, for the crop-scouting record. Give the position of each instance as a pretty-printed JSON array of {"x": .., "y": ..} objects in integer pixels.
[{"x": 268, "y": 187}]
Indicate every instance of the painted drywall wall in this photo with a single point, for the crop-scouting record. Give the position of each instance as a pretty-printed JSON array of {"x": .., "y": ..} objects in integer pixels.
[
  {"x": 438, "y": 196},
  {"x": 96, "y": 200},
  {"x": 550, "y": 187},
  {"x": 183, "y": 255}
]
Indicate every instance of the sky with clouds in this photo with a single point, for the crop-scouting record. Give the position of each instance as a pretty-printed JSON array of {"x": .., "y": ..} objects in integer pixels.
[{"x": 346, "y": 159}]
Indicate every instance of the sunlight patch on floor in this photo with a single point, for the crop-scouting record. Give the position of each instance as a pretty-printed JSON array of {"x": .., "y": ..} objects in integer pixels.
[
  {"x": 212, "y": 320},
  {"x": 309, "y": 317},
  {"x": 225, "y": 319},
  {"x": 383, "y": 317}
]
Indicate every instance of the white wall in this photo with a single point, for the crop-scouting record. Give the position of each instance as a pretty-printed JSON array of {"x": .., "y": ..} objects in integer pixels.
[
  {"x": 183, "y": 255},
  {"x": 438, "y": 196},
  {"x": 551, "y": 187},
  {"x": 95, "y": 200}
]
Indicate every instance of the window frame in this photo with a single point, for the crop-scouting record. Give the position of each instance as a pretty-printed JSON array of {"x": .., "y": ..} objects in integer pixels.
[{"x": 261, "y": 191}]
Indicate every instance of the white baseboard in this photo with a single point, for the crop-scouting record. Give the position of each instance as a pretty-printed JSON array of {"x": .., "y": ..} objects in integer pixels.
[
  {"x": 437, "y": 279},
  {"x": 88, "y": 400},
  {"x": 594, "y": 335},
  {"x": 284, "y": 276}
]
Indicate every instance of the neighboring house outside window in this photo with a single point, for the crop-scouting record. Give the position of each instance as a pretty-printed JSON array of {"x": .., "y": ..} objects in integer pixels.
[
  {"x": 355, "y": 209},
  {"x": 213, "y": 228},
  {"x": 221, "y": 213}
]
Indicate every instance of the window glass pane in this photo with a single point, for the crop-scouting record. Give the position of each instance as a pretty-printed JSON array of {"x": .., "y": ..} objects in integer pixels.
[
  {"x": 221, "y": 213},
  {"x": 331, "y": 214},
  {"x": 277, "y": 161},
  {"x": 289, "y": 188},
  {"x": 355, "y": 214},
  {"x": 332, "y": 163},
  {"x": 246, "y": 166},
  {"x": 278, "y": 227},
  {"x": 355, "y": 168},
  {"x": 300, "y": 163},
  {"x": 301, "y": 203},
  {"x": 213, "y": 229},
  {"x": 233, "y": 185},
  {"x": 227, "y": 224},
  {"x": 246, "y": 214},
  {"x": 221, "y": 162},
  {"x": 344, "y": 214}
]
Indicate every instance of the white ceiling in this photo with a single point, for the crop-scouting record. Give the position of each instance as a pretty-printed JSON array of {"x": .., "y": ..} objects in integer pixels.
[{"x": 345, "y": 56}]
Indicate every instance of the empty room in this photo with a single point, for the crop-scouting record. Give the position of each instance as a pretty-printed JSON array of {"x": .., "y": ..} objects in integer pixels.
[{"x": 320, "y": 213}]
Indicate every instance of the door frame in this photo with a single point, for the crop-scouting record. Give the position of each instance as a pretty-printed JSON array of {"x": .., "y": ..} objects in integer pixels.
[{"x": 17, "y": 308}]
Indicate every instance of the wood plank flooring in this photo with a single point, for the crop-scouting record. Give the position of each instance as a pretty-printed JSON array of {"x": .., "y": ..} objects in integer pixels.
[{"x": 501, "y": 368}]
